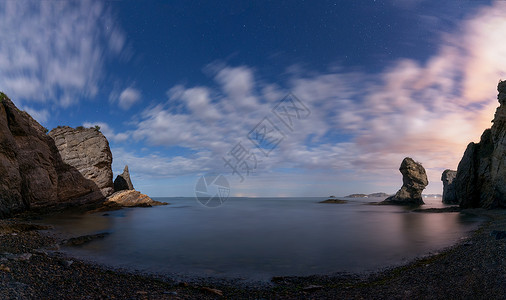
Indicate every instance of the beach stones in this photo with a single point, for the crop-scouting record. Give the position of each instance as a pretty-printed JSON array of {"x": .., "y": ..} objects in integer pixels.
[{"x": 414, "y": 181}]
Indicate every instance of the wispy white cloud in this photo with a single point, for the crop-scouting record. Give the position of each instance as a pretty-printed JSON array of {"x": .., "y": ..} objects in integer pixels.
[
  {"x": 55, "y": 50},
  {"x": 361, "y": 124},
  {"x": 39, "y": 115},
  {"x": 159, "y": 166},
  {"x": 129, "y": 97}
]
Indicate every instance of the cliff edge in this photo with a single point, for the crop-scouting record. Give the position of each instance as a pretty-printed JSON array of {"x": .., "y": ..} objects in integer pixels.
[
  {"x": 87, "y": 150},
  {"x": 33, "y": 173},
  {"x": 481, "y": 174}
]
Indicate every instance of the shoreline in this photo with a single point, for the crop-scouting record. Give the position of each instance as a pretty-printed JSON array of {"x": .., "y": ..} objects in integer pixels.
[{"x": 31, "y": 266}]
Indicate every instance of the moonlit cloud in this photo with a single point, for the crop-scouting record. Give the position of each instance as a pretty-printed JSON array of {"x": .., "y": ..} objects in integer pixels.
[
  {"x": 55, "y": 51},
  {"x": 360, "y": 123},
  {"x": 129, "y": 97},
  {"x": 158, "y": 166}
]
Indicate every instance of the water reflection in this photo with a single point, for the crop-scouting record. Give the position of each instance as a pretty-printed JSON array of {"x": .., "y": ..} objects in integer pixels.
[{"x": 264, "y": 237}]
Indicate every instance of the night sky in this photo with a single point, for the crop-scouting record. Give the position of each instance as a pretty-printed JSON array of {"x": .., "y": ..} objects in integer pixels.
[{"x": 179, "y": 87}]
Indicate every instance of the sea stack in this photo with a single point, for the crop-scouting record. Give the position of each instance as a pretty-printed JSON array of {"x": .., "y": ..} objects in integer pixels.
[
  {"x": 481, "y": 174},
  {"x": 123, "y": 181},
  {"x": 449, "y": 192},
  {"x": 414, "y": 181}
]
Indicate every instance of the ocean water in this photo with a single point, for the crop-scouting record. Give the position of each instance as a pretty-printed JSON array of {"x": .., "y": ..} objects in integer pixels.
[{"x": 257, "y": 238}]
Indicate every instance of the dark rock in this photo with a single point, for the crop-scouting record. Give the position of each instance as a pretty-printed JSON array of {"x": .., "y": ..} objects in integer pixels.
[
  {"x": 123, "y": 182},
  {"x": 77, "y": 241},
  {"x": 414, "y": 181},
  {"x": 33, "y": 173},
  {"x": 499, "y": 234},
  {"x": 481, "y": 175},
  {"x": 335, "y": 201},
  {"x": 439, "y": 210},
  {"x": 449, "y": 192}
]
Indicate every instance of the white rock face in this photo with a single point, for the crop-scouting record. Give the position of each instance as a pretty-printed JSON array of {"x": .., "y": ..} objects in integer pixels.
[{"x": 88, "y": 151}]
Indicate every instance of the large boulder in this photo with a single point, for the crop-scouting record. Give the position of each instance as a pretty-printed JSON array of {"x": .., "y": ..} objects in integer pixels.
[
  {"x": 123, "y": 181},
  {"x": 481, "y": 174},
  {"x": 32, "y": 173},
  {"x": 449, "y": 191},
  {"x": 87, "y": 150},
  {"x": 131, "y": 198},
  {"x": 414, "y": 181}
]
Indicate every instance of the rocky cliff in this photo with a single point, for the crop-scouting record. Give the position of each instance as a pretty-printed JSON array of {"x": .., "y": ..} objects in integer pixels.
[
  {"x": 414, "y": 181},
  {"x": 449, "y": 191},
  {"x": 481, "y": 174},
  {"x": 87, "y": 150},
  {"x": 32, "y": 172}
]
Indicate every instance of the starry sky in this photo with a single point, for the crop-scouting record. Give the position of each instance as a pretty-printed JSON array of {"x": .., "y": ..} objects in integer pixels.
[{"x": 284, "y": 98}]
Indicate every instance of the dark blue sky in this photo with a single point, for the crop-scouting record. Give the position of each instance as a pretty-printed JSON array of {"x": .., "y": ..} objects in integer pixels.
[{"x": 176, "y": 84}]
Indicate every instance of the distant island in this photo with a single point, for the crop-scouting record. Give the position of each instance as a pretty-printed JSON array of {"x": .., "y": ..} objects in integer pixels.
[{"x": 367, "y": 196}]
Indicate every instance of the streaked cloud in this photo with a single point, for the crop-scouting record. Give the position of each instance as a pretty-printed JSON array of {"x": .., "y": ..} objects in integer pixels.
[
  {"x": 361, "y": 123},
  {"x": 55, "y": 51}
]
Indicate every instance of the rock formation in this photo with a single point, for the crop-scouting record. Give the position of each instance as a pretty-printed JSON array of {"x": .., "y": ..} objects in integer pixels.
[
  {"x": 32, "y": 172},
  {"x": 123, "y": 182},
  {"x": 87, "y": 150},
  {"x": 414, "y": 181},
  {"x": 131, "y": 198},
  {"x": 449, "y": 192},
  {"x": 481, "y": 174}
]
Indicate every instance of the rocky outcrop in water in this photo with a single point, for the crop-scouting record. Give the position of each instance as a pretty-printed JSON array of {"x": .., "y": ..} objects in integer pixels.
[
  {"x": 414, "y": 181},
  {"x": 131, "y": 198},
  {"x": 481, "y": 174},
  {"x": 32, "y": 172},
  {"x": 449, "y": 192},
  {"x": 87, "y": 150},
  {"x": 123, "y": 181}
]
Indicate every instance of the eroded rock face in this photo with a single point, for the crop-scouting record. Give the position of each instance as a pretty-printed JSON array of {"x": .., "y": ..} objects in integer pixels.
[
  {"x": 87, "y": 150},
  {"x": 32, "y": 172},
  {"x": 481, "y": 174},
  {"x": 414, "y": 181},
  {"x": 123, "y": 181},
  {"x": 449, "y": 192},
  {"x": 131, "y": 198}
]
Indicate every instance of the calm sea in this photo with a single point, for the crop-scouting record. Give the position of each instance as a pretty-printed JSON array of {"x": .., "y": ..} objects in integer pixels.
[{"x": 257, "y": 238}]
